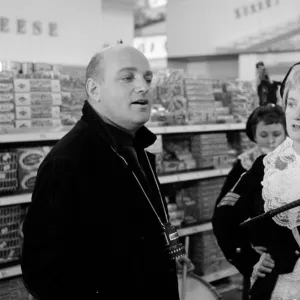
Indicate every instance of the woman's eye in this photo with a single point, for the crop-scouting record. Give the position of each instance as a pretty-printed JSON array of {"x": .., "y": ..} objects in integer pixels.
[
  {"x": 291, "y": 104},
  {"x": 148, "y": 80}
]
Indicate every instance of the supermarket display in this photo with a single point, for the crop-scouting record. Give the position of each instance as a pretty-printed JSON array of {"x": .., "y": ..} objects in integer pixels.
[
  {"x": 41, "y": 95},
  {"x": 10, "y": 237}
]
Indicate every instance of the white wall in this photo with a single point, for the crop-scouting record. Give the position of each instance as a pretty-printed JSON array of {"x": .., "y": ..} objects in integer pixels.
[
  {"x": 215, "y": 68},
  {"x": 79, "y": 31},
  {"x": 276, "y": 63},
  {"x": 198, "y": 27},
  {"x": 117, "y": 22}
]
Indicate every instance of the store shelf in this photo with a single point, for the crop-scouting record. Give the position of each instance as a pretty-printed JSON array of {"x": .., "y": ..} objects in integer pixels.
[
  {"x": 40, "y": 134},
  {"x": 197, "y": 128},
  {"x": 10, "y": 272},
  {"x": 194, "y": 229},
  {"x": 15, "y": 199},
  {"x": 195, "y": 175},
  {"x": 32, "y": 134},
  {"x": 221, "y": 274}
]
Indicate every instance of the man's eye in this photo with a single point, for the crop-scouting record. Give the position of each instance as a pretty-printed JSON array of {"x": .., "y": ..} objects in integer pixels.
[
  {"x": 127, "y": 78},
  {"x": 148, "y": 80}
]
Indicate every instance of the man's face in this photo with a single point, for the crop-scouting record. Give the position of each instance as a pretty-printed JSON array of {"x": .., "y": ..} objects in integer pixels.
[{"x": 125, "y": 90}]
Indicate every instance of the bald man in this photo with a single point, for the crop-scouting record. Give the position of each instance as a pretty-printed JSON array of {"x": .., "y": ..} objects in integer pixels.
[{"x": 98, "y": 226}]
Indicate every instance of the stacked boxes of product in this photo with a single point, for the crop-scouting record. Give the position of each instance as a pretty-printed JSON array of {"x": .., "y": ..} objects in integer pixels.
[
  {"x": 222, "y": 103},
  {"x": 170, "y": 105},
  {"x": 243, "y": 98},
  {"x": 37, "y": 102},
  {"x": 29, "y": 160},
  {"x": 201, "y": 102},
  {"x": 7, "y": 106},
  {"x": 177, "y": 155},
  {"x": 10, "y": 238},
  {"x": 73, "y": 97},
  {"x": 198, "y": 200},
  {"x": 18, "y": 168},
  {"x": 206, "y": 254},
  {"x": 8, "y": 171},
  {"x": 210, "y": 150}
]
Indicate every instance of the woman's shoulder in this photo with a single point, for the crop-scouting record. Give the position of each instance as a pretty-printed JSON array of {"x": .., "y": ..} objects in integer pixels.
[{"x": 248, "y": 157}]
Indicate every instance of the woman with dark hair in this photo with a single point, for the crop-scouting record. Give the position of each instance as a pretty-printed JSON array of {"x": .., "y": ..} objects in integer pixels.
[
  {"x": 272, "y": 182},
  {"x": 265, "y": 127}
]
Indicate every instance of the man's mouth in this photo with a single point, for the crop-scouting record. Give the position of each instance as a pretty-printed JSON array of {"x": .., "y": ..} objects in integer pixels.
[
  {"x": 295, "y": 126},
  {"x": 141, "y": 102}
]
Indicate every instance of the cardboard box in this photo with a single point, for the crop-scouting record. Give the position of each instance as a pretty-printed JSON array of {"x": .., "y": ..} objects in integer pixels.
[
  {"x": 6, "y": 87},
  {"x": 29, "y": 160},
  {"x": 6, "y": 76},
  {"x": 6, "y": 97},
  {"x": 7, "y": 117},
  {"x": 36, "y": 85},
  {"x": 38, "y": 123},
  {"x": 27, "y": 99},
  {"x": 37, "y": 112},
  {"x": 6, "y": 107}
]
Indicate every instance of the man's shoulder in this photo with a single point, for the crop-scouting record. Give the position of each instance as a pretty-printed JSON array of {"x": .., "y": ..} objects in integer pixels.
[{"x": 78, "y": 146}]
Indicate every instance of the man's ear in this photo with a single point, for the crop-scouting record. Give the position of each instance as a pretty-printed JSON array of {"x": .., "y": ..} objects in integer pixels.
[{"x": 93, "y": 89}]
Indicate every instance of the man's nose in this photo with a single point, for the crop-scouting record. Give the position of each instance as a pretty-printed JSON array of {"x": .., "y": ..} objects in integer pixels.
[{"x": 142, "y": 87}]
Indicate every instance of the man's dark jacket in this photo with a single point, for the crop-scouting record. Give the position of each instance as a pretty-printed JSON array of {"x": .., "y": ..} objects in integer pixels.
[{"x": 90, "y": 232}]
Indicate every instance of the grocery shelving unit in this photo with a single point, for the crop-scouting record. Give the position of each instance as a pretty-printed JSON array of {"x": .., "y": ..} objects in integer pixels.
[{"x": 36, "y": 135}]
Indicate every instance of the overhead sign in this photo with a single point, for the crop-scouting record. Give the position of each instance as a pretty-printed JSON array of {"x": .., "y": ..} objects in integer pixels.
[
  {"x": 153, "y": 47},
  {"x": 25, "y": 27},
  {"x": 254, "y": 8}
]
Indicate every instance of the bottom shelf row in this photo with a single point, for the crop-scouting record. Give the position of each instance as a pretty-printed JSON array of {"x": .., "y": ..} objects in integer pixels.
[{"x": 16, "y": 271}]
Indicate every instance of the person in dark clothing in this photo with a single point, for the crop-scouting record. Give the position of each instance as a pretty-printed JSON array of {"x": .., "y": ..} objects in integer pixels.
[
  {"x": 266, "y": 89},
  {"x": 98, "y": 226},
  {"x": 266, "y": 127},
  {"x": 272, "y": 182}
]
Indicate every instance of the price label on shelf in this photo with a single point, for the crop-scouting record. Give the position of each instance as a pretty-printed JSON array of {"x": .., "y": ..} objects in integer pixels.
[
  {"x": 4, "y": 274},
  {"x": 43, "y": 136}
]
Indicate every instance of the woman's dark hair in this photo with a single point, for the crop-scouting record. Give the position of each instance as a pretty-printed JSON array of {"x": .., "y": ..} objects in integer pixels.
[{"x": 269, "y": 114}]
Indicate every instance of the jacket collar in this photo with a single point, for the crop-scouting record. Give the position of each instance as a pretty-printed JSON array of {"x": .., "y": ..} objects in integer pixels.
[{"x": 143, "y": 137}]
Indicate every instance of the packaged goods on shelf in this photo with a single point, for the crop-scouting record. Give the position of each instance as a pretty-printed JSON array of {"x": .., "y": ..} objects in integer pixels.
[
  {"x": 36, "y": 85},
  {"x": 176, "y": 215},
  {"x": 210, "y": 150},
  {"x": 29, "y": 160},
  {"x": 7, "y": 107},
  {"x": 177, "y": 155},
  {"x": 8, "y": 171},
  {"x": 198, "y": 200},
  {"x": 199, "y": 94},
  {"x": 73, "y": 97},
  {"x": 10, "y": 245},
  {"x": 6, "y": 77},
  {"x": 34, "y": 99},
  {"x": 170, "y": 105},
  {"x": 37, "y": 112},
  {"x": 206, "y": 255},
  {"x": 13, "y": 288},
  {"x": 38, "y": 123}
]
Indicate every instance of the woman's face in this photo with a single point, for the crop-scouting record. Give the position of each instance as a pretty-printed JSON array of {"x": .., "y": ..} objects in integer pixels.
[
  {"x": 269, "y": 137},
  {"x": 292, "y": 114}
]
